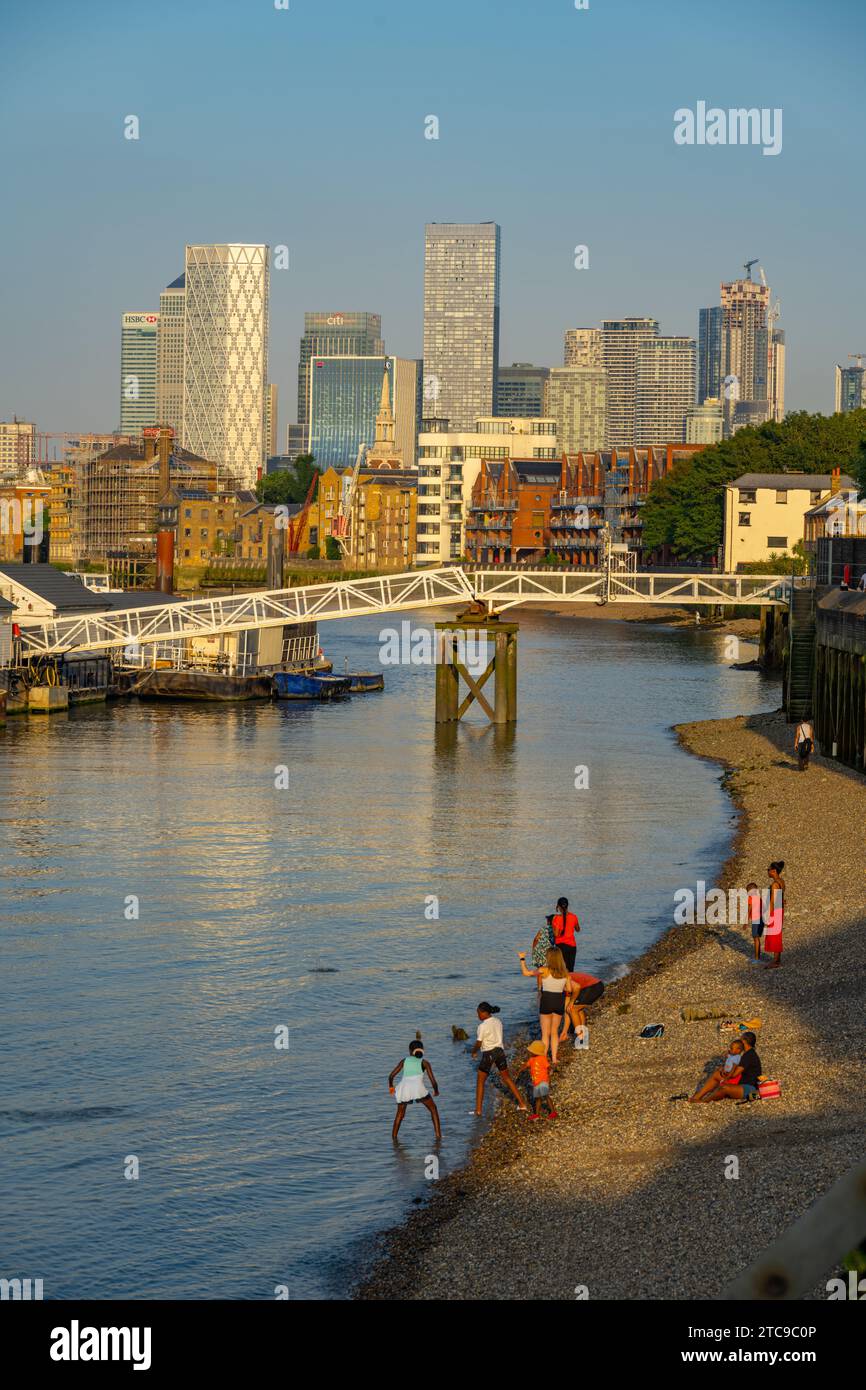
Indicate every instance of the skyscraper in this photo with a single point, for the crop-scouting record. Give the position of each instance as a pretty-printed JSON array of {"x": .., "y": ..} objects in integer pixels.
[
  {"x": 226, "y": 356},
  {"x": 664, "y": 389},
  {"x": 709, "y": 354},
  {"x": 461, "y": 321},
  {"x": 169, "y": 356},
  {"x": 850, "y": 389},
  {"x": 744, "y": 340},
  {"x": 271, "y": 396},
  {"x": 621, "y": 340},
  {"x": 336, "y": 334},
  {"x": 705, "y": 423},
  {"x": 520, "y": 390},
  {"x": 576, "y": 398},
  {"x": 344, "y": 400},
  {"x": 583, "y": 348},
  {"x": 138, "y": 334}
]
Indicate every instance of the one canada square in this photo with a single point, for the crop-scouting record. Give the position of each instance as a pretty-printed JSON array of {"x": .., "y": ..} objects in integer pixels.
[{"x": 461, "y": 321}]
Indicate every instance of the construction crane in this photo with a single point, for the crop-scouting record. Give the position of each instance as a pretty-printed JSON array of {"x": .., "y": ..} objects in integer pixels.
[
  {"x": 341, "y": 524},
  {"x": 857, "y": 357},
  {"x": 295, "y": 527},
  {"x": 747, "y": 267}
]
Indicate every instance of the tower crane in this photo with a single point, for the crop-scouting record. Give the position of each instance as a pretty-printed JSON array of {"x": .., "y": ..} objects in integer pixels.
[{"x": 747, "y": 267}]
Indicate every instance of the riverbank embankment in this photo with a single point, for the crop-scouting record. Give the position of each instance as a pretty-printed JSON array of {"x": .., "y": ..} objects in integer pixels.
[{"x": 629, "y": 1194}]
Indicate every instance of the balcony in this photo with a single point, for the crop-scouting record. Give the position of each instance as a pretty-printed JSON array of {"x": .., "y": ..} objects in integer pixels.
[{"x": 569, "y": 501}]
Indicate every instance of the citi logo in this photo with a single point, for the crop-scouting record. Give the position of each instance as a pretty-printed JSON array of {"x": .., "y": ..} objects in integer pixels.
[
  {"x": 20, "y": 1289},
  {"x": 738, "y": 126},
  {"x": 76, "y": 1343}
]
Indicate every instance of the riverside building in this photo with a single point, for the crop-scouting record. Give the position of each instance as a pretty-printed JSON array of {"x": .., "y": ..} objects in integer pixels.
[{"x": 449, "y": 461}]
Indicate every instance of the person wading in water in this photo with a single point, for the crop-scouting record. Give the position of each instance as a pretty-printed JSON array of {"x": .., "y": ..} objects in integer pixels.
[{"x": 564, "y": 925}]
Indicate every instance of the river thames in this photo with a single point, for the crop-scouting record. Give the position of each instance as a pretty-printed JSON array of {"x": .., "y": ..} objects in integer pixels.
[{"x": 168, "y": 910}]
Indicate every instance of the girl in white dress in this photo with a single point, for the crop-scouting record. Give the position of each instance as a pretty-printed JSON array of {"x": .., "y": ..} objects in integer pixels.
[{"x": 411, "y": 1087}]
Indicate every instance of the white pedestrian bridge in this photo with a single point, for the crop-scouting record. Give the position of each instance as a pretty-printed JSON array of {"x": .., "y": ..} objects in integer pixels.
[{"x": 500, "y": 588}]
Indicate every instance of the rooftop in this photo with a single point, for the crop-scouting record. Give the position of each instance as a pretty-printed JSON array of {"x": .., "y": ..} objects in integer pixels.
[
  {"x": 791, "y": 482},
  {"x": 65, "y": 594}
]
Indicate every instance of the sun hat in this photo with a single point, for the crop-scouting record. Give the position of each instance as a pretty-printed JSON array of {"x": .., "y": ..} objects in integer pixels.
[{"x": 538, "y": 1048}]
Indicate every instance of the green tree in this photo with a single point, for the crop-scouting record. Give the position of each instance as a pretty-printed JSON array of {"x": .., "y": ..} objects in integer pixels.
[
  {"x": 332, "y": 549},
  {"x": 684, "y": 509},
  {"x": 288, "y": 484}
]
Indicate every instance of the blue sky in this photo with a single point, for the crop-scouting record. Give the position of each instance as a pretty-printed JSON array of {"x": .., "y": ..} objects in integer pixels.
[{"x": 305, "y": 127}]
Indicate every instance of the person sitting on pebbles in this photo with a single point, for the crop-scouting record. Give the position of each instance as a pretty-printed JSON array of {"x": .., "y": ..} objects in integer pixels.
[{"x": 741, "y": 1081}]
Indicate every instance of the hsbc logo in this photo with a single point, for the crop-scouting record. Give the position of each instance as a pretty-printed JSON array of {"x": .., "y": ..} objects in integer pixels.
[{"x": 132, "y": 320}]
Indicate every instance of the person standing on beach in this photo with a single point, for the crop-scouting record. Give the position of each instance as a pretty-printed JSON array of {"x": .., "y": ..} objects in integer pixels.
[
  {"x": 539, "y": 1074},
  {"x": 542, "y": 942},
  {"x": 756, "y": 916},
  {"x": 804, "y": 743},
  {"x": 555, "y": 986},
  {"x": 776, "y": 914},
  {"x": 489, "y": 1041},
  {"x": 411, "y": 1087},
  {"x": 564, "y": 925}
]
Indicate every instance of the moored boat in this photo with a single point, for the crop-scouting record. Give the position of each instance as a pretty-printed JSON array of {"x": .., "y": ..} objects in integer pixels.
[
  {"x": 305, "y": 685},
  {"x": 362, "y": 681}
]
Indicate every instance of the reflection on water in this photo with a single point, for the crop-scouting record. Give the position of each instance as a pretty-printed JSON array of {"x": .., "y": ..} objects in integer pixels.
[{"x": 313, "y": 908}]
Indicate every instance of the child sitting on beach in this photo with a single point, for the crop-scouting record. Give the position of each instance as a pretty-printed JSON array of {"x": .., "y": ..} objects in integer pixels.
[
  {"x": 729, "y": 1071},
  {"x": 411, "y": 1087},
  {"x": 539, "y": 1074}
]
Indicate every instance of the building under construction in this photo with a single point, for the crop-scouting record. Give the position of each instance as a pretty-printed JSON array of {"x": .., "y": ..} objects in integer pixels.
[{"x": 118, "y": 493}]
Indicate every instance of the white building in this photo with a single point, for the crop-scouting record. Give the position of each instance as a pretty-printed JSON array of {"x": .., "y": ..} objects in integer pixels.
[
  {"x": 226, "y": 357},
  {"x": 705, "y": 424},
  {"x": 169, "y": 356},
  {"x": 584, "y": 347},
  {"x": 576, "y": 398},
  {"x": 664, "y": 389},
  {"x": 138, "y": 343},
  {"x": 449, "y": 461},
  {"x": 17, "y": 446},
  {"x": 621, "y": 341}
]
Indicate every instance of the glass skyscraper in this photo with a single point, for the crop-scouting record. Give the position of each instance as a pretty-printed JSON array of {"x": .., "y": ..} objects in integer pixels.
[
  {"x": 461, "y": 321},
  {"x": 345, "y": 334},
  {"x": 138, "y": 343},
  {"x": 342, "y": 402},
  {"x": 709, "y": 354}
]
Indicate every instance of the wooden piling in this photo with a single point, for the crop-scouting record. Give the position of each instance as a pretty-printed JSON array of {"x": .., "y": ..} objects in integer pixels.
[{"x": 501, "y": 668}]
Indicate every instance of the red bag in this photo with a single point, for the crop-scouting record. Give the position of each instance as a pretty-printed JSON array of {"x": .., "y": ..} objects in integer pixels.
[{"x": 768, "y": 1090}]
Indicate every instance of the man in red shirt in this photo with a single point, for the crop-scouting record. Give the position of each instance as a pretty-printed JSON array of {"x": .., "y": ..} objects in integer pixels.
[{"x": 564, "y": 925}]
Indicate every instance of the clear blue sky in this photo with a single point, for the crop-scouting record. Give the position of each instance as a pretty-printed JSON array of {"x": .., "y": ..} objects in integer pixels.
[{"x": 306, "y": 127}]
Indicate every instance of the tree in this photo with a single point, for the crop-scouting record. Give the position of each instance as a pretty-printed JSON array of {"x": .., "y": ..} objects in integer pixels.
[
  {"x": 332, "y": 549},
  {"x": 288, "y": 484},
  {"x": 684, "y": 509}
]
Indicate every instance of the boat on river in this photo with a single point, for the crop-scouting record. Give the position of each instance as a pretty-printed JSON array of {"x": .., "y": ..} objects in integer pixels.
[
  {"x": 363, "y": 681},
  {"x": 309, "y": 685}
]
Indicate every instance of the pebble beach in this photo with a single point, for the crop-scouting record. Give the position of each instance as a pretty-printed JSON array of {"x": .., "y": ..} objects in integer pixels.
[{"x": 625, "y": 1195}]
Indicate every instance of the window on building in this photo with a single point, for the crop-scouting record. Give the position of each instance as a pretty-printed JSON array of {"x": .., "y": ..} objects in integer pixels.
[
  {"x": 781, "y": 495},
  {"x": 777, "y": 542},
  {"x": 745, "y": 518},
  {"x": 747, "y": 496}
]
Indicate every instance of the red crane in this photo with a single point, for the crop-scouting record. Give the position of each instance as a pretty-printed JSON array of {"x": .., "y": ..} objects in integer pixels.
[{"x": 296, "y": 524}]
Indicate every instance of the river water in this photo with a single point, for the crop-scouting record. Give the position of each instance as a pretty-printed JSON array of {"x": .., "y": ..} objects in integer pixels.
[{"x": 168, "y": 911}]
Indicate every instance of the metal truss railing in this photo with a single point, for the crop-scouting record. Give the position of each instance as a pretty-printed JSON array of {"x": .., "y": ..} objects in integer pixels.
[{"x": 501, "y": 588}]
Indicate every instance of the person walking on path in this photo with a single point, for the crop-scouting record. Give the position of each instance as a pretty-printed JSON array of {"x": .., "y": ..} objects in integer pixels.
[
  {"x": 775, "y": 914},
  {"x": 489, "y": 1041},
  {"x": 564, "y": 925},
  {"x": 411, "y": 1087},
  {"x": 555, "y": 987},
  {"x": 745, "y": 1085},
  {"x": 804, "y": 743},
  {"x": 539, "y": 1074},
  {"x": 756, "y": 916}
]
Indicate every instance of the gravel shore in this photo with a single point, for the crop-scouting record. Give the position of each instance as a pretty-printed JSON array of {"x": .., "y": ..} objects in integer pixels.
[{"x": 625, "y": 1195}]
